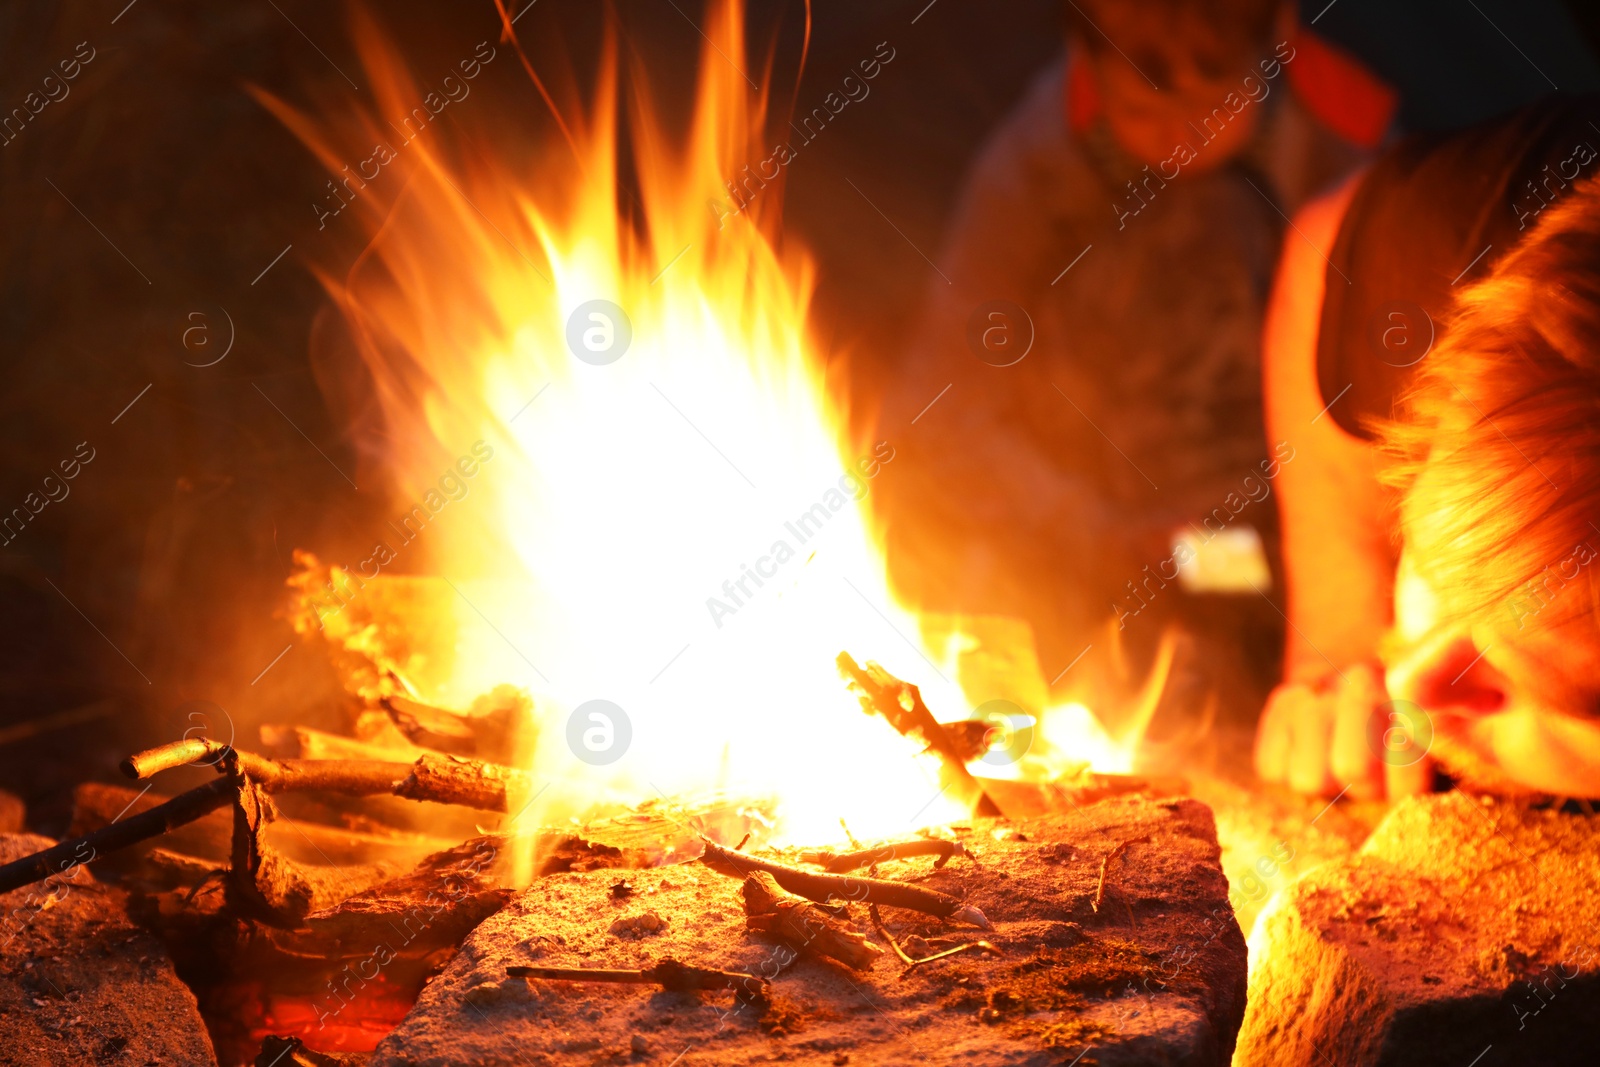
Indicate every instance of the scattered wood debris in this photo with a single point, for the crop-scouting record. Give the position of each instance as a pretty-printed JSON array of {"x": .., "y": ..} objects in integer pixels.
[
  {"x": 1169, "y": 991},
  {"x": 916, "y": 961}
]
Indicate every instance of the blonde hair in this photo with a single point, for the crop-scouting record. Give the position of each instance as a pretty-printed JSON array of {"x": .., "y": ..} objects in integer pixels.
[{"x": 1496, "y": 449}]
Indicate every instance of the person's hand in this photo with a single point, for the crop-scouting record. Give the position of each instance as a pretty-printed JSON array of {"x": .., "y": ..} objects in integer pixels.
[{"x": 1339, "y": 733}]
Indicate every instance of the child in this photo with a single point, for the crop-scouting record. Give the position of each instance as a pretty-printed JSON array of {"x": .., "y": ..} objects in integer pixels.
[
  {"x": 1086, "y": 384},
  {"x": 1437, "y": 322}
]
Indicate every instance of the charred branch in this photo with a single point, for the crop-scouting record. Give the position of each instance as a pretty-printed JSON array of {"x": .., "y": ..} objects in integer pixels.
[
  {"x": 414, "y": 914},
  {"x": 282, "y": 741},
  {"x": 181, "y": 809},
  {"x": 292, "y": 1052},
  {"x": 498, "y": 725},
  {"x": 265, "y": 885}
]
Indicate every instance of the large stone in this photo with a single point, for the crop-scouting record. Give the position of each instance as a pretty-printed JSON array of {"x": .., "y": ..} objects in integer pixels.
[
  {"x": 1156, "y": 975},
  {"x": 1462, "y": 933},
  {"x": 82, "y": 984}
]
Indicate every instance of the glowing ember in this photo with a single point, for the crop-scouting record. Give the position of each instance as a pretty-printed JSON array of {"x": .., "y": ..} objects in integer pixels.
[{"x": 651, "y": 501}]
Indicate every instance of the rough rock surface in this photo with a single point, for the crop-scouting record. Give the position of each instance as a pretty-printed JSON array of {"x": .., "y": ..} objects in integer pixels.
[
  {"x": 1156, "y": 975},
  {"x": 1271, "y": 835},
  {"x": 1463, "y": 932},
  {"x": 80, "y": 983}
]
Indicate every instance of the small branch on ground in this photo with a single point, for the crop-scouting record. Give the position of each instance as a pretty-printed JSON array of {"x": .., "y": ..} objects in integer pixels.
[
  {"x": 883, "y": 932},
  {"x": 823, "y": 887},
  {"x": 1105, "y": 864},
  {"x": 958, "y": 950},
  {"x": 804, "y": 925},
  {"x": 910, "y": 962},
  {"x": 668, "y": 974}
]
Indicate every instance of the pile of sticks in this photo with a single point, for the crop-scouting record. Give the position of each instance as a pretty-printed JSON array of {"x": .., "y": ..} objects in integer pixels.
[{"x": 408, "y": 753}]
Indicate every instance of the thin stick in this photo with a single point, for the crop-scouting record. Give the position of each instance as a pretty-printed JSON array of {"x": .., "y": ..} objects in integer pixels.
[
  {"x": 668, "y": 974},
  {"x": 821, "y": 887},
  {"x": 845, "y": 862},
  {"x": 883, "y": 932},
  {"x": 181, "y": 809},
  {"x": 1105, "y": 863},
  {"x": 947, "y": 953}
]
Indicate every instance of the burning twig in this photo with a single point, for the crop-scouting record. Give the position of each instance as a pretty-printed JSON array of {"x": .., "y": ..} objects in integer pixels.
[
  {"x": 901, "y": 704},
  {"x": 444, "y": 779},
  {"x": 845, "y": 862},
  {"x": 183, "y": 808},
  {"x": 822, "y": 887},
  {"x": 669, "y": 974},
  {"x": 491, "y": 731},
  {"x": 803, "y": 924},
  {"x": 95, "y": 805}
]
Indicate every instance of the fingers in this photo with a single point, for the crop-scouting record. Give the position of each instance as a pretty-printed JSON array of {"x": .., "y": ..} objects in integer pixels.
[
  {"x": 1351, "y": 758},
  {"x": 1292, "y": 739},
  {"x": 1409, "y": 781},
  {"x": 1272, "y": 735},
  {"x": 1323, "y": 742},
  {"x": 1408, "y": 768},
  {"x": 1311, "y": 735}
]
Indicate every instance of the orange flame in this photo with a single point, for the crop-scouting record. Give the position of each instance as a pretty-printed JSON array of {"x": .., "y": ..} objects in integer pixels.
[{"x": 678, "y": 532}]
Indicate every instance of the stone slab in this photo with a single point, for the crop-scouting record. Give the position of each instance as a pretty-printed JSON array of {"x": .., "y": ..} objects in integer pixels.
[
  {"x": 1462, "y": 932},
  {"x": 80, "y": 983},
  {"x": 1156, "y": 975}
]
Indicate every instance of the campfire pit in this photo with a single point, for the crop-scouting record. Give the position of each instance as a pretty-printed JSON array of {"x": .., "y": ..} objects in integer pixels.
[
  {"x": 555, "y": 758},
  {"x": 1105, "y": 926}
]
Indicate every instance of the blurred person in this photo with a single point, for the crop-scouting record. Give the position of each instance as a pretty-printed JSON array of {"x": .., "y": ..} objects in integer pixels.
[
  {"x": 1085, "y": 385},
  {"x": 1433, "y": 350}
]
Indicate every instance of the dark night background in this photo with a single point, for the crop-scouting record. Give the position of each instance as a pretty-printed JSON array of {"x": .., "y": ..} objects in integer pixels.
[{"x": 157, "y": 580}]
